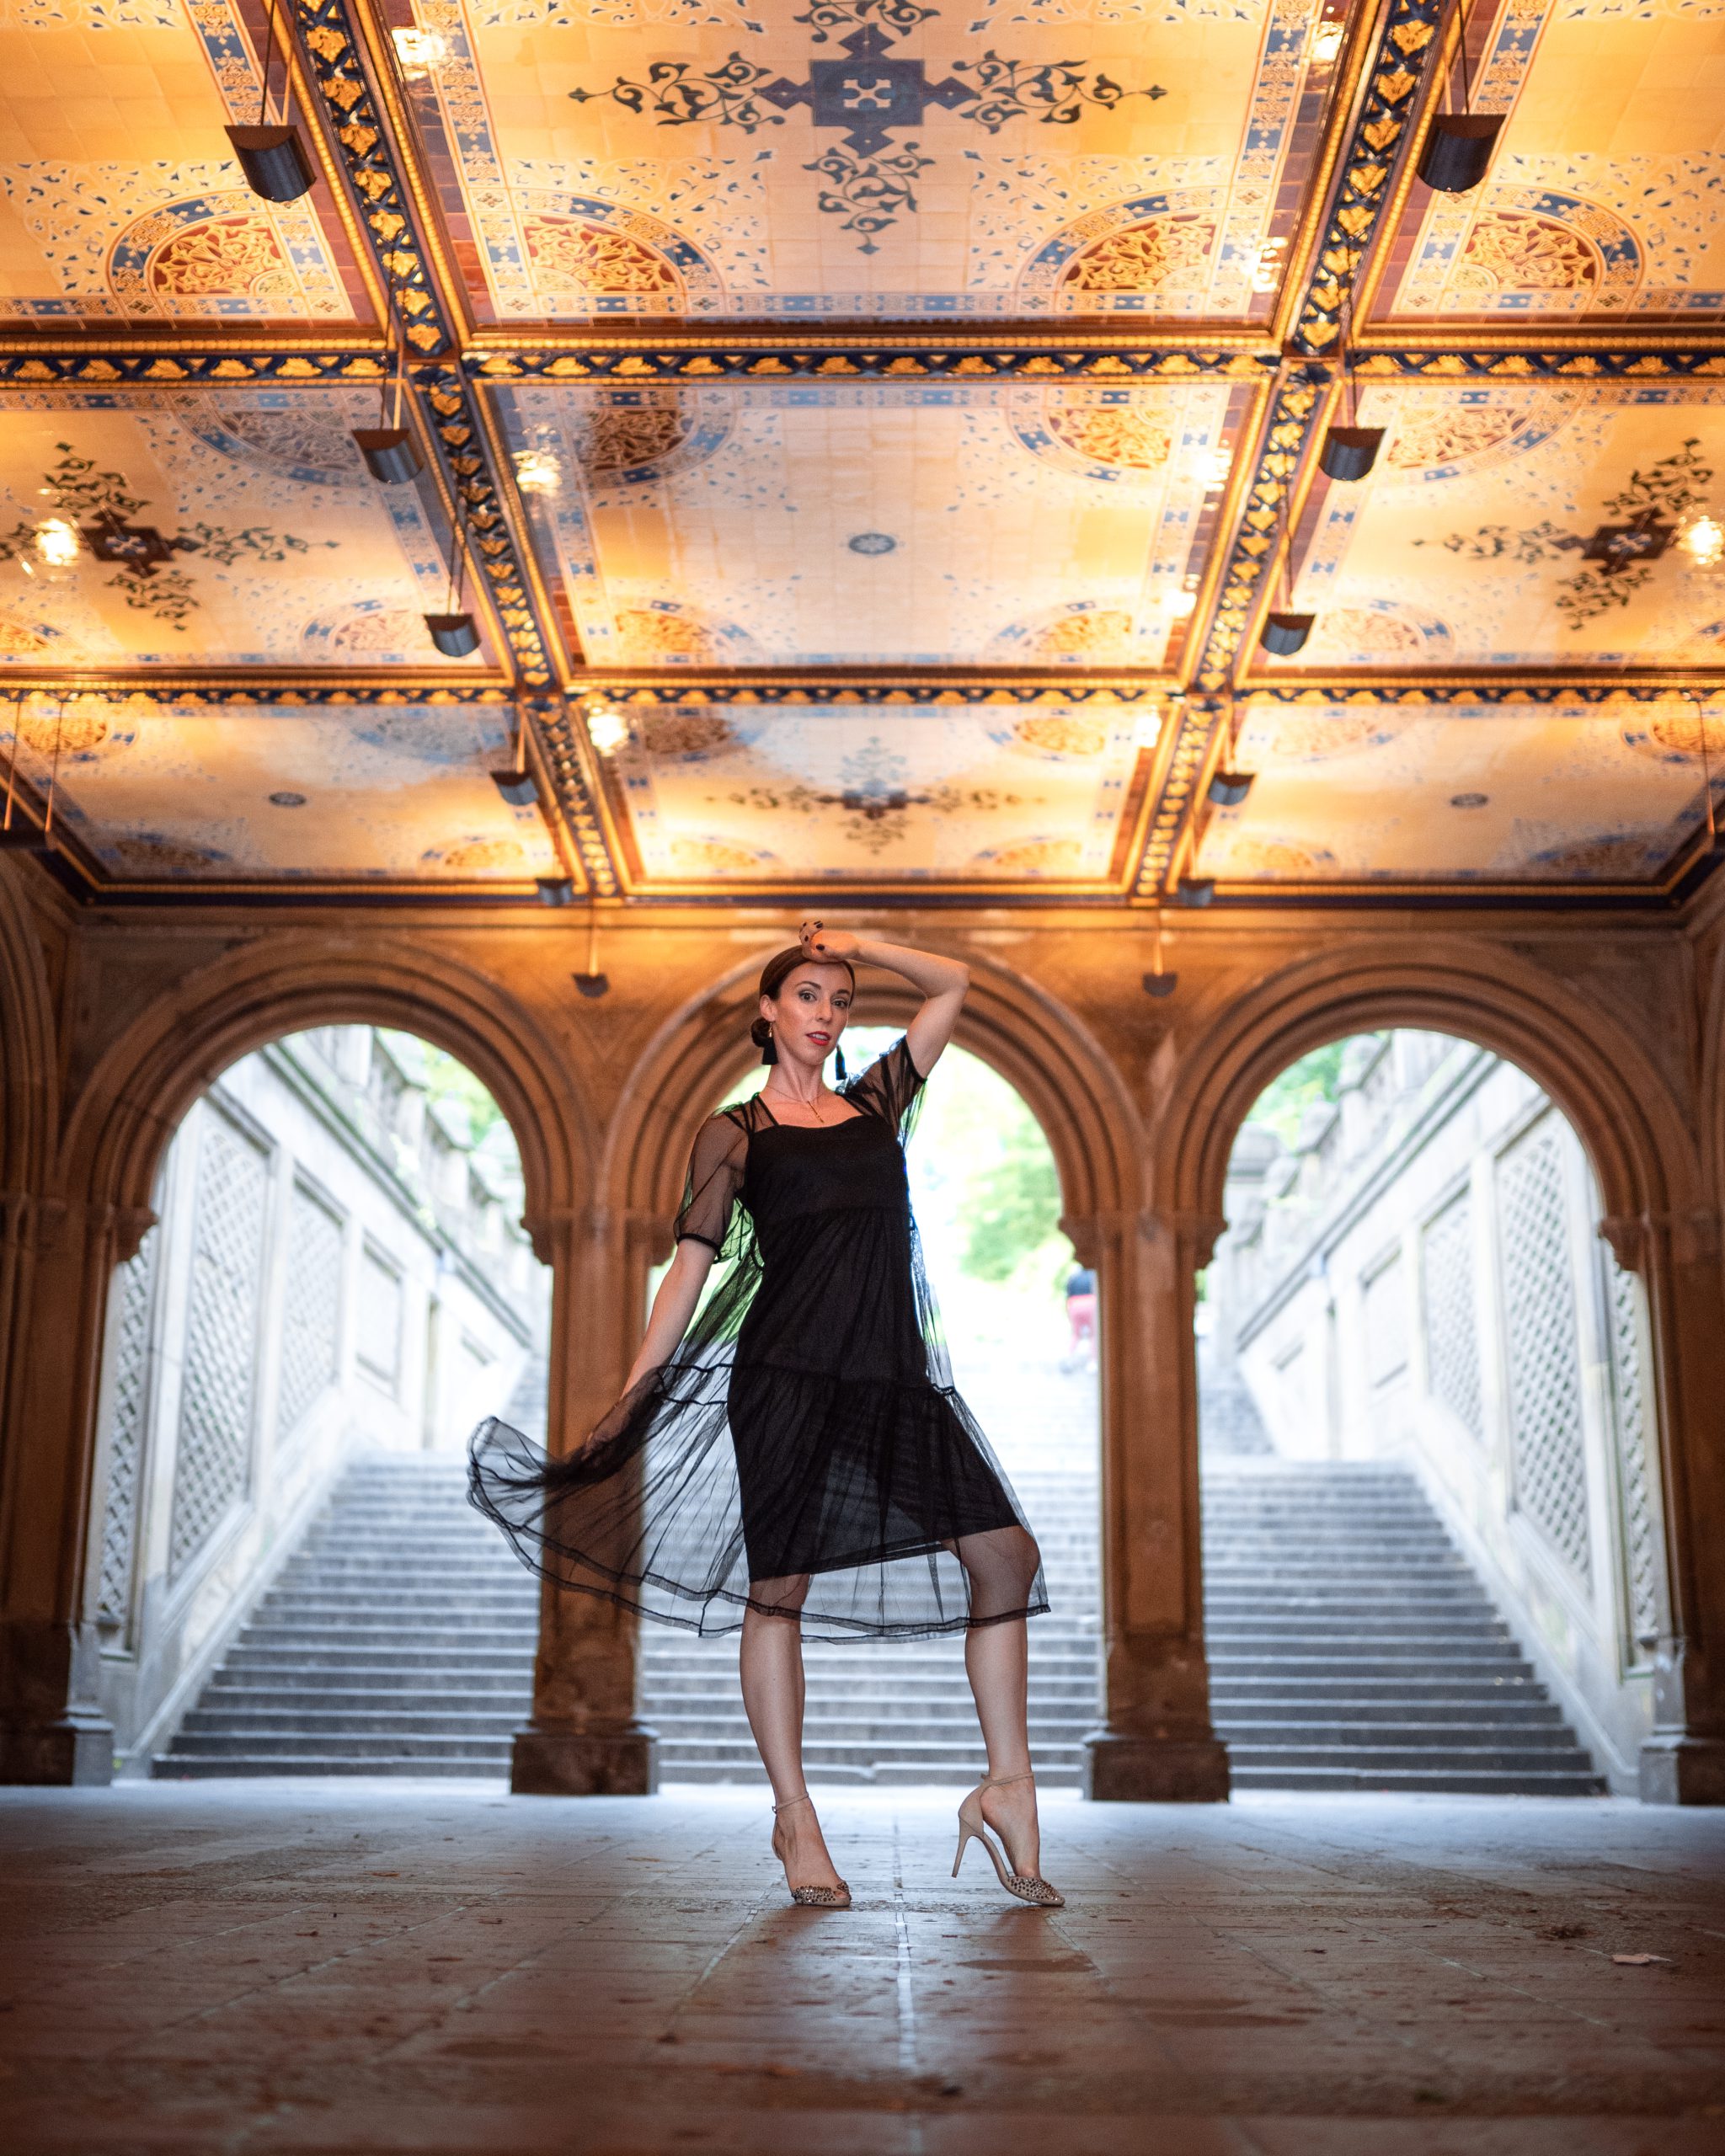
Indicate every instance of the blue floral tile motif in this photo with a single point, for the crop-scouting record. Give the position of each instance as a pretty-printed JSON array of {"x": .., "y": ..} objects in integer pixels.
[{"x": 872, "y": 542}]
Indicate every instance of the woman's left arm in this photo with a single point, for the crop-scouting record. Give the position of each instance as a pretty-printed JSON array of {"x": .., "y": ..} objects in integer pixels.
[{"x": 942, "y": 983}]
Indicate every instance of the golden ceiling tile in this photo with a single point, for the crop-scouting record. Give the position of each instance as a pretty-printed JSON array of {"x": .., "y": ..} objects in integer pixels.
[
  {"x": 1605, "y": 197},
  {"x": 1547, "y": 792},
  {"x": 207, "y": 529},
  {"x": 281, "y": 795},
  {"x": 1140, "y": 158},
  {"x": 121, "y": 201}
]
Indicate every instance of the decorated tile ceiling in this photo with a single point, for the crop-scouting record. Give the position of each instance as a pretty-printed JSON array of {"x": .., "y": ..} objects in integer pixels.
[{"x": 868, "y": 438}]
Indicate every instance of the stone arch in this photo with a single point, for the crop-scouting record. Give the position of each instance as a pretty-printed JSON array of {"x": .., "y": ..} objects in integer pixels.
[
  {"x": 1642, "y": 1152},
  {"x": 1042, "y": 1049},
  {"x": 147, "y": 1080}
]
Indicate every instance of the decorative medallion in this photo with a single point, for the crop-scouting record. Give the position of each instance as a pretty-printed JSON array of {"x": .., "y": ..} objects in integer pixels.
[{"x": 1151, "y": 254}]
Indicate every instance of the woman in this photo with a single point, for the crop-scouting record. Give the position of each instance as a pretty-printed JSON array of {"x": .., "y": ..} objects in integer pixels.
[{"x": 789, "y": 1453}]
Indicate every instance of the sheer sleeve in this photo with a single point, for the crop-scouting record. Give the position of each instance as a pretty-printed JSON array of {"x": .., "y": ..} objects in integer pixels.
[
  {"x": 715, "y": 1178},
  {"x": 889, "y": 1087}
]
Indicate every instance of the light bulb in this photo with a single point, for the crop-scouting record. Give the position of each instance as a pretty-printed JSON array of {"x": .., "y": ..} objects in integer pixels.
[
  {"x": 419, "y": 52},
  {"x": 537, "y": 471},
  {"x": 1180, "y": 604},
  {"x": 1214, "y": 468},
  {"x": 606, "y": 729},
  {"x": 1326, "y": 44},
  {"x": 1701, "y": 536},
  {"x": 57, "y": 542}
]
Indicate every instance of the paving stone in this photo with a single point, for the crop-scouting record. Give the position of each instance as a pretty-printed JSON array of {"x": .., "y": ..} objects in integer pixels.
[{"x": 321, "y": 1966}]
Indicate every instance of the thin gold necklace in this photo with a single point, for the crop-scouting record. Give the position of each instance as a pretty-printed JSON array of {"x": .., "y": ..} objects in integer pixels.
[{"x": 812, "y": 1106}]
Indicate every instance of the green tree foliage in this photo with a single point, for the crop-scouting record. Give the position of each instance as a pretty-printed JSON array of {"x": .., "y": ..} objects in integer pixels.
[
  {"x": 1284, "y": 1102},
  {"x": 1011, "y": 1205}
]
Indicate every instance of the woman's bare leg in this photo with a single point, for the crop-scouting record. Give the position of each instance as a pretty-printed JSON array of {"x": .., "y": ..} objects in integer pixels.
[
  {"x": 1002, "y": 1566},
  {"x": 770, "y": 1661}
]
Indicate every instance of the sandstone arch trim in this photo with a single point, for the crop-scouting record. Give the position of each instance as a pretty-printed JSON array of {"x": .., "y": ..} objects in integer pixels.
[
  {"x": 147, "y": 1080},
  {"x": 1643, "y": 1153}
]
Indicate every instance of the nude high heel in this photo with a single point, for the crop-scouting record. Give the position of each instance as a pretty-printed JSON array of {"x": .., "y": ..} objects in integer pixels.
[
  {"x": 808, "y": 1897},
  {"x": 973, "y": 1826}
]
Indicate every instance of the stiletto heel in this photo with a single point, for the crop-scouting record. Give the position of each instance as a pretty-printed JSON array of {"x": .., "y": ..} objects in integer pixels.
[
  {"x": 973, "y": 1826},
  {"x": 808, "y": 1897}
]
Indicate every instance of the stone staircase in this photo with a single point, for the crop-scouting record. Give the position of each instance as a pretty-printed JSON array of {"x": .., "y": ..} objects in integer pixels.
[
  {"x": 900, "y": 1711},
  {"x": 398, "y": 1639},
  {"x": 1351, "y": 1646}
]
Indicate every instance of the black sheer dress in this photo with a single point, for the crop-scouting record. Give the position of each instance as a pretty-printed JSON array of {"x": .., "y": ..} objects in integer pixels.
[{"x": 804, "y": 1447}]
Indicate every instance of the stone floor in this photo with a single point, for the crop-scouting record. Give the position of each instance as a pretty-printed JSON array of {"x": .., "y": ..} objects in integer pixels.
[{"x": 315, "y": 1967}]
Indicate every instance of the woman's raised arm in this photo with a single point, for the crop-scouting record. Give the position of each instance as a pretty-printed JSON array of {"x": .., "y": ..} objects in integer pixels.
[{"x": 942, "y": 983}]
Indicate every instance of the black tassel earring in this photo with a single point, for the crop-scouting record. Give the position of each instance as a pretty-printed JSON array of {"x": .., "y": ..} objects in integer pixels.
[
  {"x": 769, "y": 1048},
  {"x": 838, "y": 1064}
]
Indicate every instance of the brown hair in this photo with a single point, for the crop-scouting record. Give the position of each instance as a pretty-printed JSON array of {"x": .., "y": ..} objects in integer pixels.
[{"x": 777, "y": 971}]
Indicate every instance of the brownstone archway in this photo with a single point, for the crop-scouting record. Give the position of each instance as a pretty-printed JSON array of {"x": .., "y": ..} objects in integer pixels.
[{"x": 1649, "y": 1169}]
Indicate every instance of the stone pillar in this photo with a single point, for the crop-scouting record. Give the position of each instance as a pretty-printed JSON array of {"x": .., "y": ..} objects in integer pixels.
[
  {"x": 60, "y": 1258},
  {"x": 1157, "y": 1745},
  {"x": 584, "y": 1738},
  {"x": 1683, "y": 1762}
]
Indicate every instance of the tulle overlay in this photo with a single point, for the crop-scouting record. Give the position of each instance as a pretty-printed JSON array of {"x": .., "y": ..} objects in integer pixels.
[{"x": 804, "y": 1448}]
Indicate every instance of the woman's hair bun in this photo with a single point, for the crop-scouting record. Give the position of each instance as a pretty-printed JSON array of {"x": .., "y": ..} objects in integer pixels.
[{"x": 760, "y": 1032}]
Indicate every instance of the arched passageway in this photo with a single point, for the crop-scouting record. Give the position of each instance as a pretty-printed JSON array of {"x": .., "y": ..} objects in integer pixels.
[
  {"x": 335, "y": 1287},
  {"x": 1430, "y": 1450}
]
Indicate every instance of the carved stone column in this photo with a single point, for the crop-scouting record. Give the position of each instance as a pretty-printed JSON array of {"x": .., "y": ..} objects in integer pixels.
[
  {"x": 1683, "y": 1762},
  {"x": 1158, "y": 1744},
  {"x": 61, "y": 1259},
  {"x": 584, "y": 1738}
]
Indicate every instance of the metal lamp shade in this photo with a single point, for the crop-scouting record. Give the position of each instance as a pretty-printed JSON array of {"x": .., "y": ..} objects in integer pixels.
[
  {"x": 1196, "y": 890},
  {"x": 453, "y": 634},
  {"x": 1350, "y": 452},
  {"x": 1159, "y": 985},
  {"x": 1458, "y": 151},
  {"x": 275, "y": 162},
  {"x": 1286, "y": 633},
  {"x": 592, "y": 984},
  {"x": 1228, "y": 789},
  {"x": 391, "y": 454},
  {"x": 516, "y": 787},
  {"x": 555, "y": 890}
]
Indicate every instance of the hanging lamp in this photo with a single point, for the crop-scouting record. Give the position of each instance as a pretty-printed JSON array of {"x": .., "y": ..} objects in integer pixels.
[
  {"x": 275, "y": 162},
  {"x": 1227, "y": 787},
  {"x": 391, "y": 453},
  {"x": 592, "y": 982},
  {"x": 1457, "y": 154},
  {"x": 1349, "y": 452},
  {"x": 1157, "y": 983},
  {"x": 517, "y": 785},
  {"x": 453, "y": 632}
]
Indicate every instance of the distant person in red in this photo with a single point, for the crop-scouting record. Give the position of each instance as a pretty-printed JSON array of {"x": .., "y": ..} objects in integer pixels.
[{"x": 1080, "y": 1320}]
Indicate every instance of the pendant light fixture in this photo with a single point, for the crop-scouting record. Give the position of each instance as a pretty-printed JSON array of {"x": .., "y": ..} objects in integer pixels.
[
  {"x": 16, "y": 835},
  {"x": 272, "y": 157},
  {"x": 1285, "y": 631},
  {"x": 555, "y": 890},
  {"x": 517, "y": 785},
  {"x": 592, "y": 982},
  {"x": 392, "y": 455},
  {"x": 1227, "y": 787},
  {"x": 1458, "y": 150},
  {"x": 24, "y": 836},
  {"x": 453, "y": 633},
  {"x": 1349, "y": 452},
  {"x": 1157, "y": 983},
  {"x": 1701, "y": 728}
]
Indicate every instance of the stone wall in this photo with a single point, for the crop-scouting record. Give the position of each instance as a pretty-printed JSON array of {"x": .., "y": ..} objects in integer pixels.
[{"x": 115, "y": 1021}]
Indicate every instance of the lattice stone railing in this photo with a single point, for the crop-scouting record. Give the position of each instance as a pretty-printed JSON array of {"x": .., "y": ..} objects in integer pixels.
[
  {"x": 311, "y": 1312},
  {"x": 1546, "y": 1432},
  {"x": 127, "y": 1429},
  {"x": 1630, "y": 1419},
  {"x": 212, "y": 1458},
  {"x": 1451, "y": 1324}
]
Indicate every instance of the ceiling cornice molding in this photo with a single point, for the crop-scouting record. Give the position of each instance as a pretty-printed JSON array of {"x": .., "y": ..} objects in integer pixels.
[{"x": 774, "y": 357}]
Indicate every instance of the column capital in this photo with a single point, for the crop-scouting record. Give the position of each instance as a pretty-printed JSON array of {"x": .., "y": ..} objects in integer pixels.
[{"x": 1691, "y": 1234}]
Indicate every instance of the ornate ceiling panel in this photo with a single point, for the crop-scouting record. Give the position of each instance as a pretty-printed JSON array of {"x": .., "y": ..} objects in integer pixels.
[
  {"x": 1492, "y": 794},
  {"x": 847, "y": 159},
  {"x": 858, "y": 524},
  {"x": 120, "y": 200},
  {"x": 728, "y": 795},
  {"x": 876, "y": 429},
  {"x": 195, "y": 794},
  {"x": 1474, "y": 542},
  {"x": 1605, "y": 198},
  {"x": 216, "y": 531}
]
